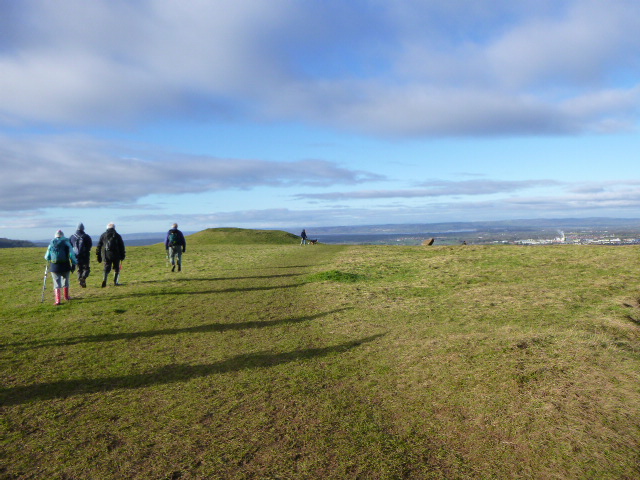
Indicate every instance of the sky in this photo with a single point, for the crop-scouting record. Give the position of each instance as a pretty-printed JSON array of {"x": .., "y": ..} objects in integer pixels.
[{"x": 286, "y": 114}]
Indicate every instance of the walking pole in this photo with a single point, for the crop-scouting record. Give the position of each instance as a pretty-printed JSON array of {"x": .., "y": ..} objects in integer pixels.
[{"x": 44, "y": 283}]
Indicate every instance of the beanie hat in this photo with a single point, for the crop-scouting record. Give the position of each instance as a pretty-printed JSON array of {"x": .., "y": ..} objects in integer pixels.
[
  {"x": 80, "y": 227},
  {"x": 59, "y": 234}
]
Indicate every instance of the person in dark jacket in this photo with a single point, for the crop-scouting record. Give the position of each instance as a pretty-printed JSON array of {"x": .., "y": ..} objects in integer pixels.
[
  {"x": 62, "y": 261},
  {"x": 175, "y": 245},
  {"x": 110, "y": 248},
  {"x": 82, "y": 243},
  {"x": 303, "y": 235}
]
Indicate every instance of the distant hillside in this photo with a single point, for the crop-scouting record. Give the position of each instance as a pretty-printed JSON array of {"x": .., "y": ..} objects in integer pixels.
[
  {"x": 7, "y": 243},
  {"x": 241, "y": 236}
]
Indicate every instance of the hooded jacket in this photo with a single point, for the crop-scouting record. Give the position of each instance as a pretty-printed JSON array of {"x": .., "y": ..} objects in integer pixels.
[
  {"x": 60, "y": 263},
  {"x": 80, "y": 238},
  {"x": 118, "y": 251}
]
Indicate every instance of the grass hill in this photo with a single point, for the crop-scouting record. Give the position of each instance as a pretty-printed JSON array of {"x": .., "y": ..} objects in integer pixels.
[
  {"x": 8, "y": 243},
  {"x": 241, "y": 236},
  {"x": 334, "y": 362}
]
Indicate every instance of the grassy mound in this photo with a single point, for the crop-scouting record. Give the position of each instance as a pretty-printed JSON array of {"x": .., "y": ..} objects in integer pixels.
[{"x": 241, "y": 236}]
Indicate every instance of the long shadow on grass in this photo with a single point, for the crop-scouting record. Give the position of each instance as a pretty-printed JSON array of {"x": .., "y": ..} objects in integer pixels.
[
  {"x": 222, "y": 290},
  {"x": 284, "y": 266},
  {"x": 217, "y": 279},
  {"x": 633, "y": 320},
  {"x": 167, "y": 374},
  {"x": 186, "y": 292},
  {"x": 208, "y": 328}
]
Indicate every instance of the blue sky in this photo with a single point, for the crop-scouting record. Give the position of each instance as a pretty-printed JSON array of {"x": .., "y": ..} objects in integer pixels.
[{"x": 291, "y": 114}]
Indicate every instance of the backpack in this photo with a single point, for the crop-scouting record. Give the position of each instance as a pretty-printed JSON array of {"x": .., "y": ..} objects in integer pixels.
[
  {"x": 174, "y": 239},
  {"x": 78, "y": 244},
  {"x": 58, "y": 251},
  {"x": 111, "y": 243}
]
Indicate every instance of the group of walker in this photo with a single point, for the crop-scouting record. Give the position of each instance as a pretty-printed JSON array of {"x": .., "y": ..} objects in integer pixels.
[{"x": 64, "y": 255}]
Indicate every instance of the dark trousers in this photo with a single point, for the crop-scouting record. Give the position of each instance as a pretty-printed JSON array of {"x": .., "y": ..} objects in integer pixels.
[
  {"x": 83, "y": 270},
  {"x": 109, "y": 264}
]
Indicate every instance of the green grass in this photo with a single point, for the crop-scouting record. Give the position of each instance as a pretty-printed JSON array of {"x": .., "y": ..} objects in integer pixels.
[
  {"x": 242, "y": 236},
  {"x": 279, "y": 361}
]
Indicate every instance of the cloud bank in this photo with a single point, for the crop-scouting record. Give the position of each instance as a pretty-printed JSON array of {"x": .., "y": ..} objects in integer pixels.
[
  {"x": 63, "y": 172},
  {"x": 414, "y": 68}
]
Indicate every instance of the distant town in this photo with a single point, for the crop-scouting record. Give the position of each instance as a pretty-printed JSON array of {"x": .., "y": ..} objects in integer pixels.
[
  {"x": 486, "y": 238},
  {"x": 567, "y": 231},
  {"x": 585, "y": 238},
  {"x": 580, "y": 238}
]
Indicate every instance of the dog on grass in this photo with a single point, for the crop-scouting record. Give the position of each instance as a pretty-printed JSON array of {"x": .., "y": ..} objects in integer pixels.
[{"x": 313, "y": 242}]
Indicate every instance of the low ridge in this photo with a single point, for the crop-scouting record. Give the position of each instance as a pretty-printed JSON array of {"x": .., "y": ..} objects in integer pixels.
[{"x": 241, "y": 236}]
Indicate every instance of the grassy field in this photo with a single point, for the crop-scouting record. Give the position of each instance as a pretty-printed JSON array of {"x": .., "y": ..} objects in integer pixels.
[{"x": 276, "y": 361}]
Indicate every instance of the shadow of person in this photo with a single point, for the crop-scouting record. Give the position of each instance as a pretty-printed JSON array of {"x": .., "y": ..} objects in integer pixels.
[{"x": 168, "y": 374}]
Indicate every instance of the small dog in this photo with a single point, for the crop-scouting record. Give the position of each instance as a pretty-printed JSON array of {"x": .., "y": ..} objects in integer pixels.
[{"x": 313, "y": 242}]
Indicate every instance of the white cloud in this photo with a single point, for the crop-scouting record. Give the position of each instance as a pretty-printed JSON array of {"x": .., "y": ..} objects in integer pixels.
[
  {"x": 620, "y": 199},
  {"x": 49, "y": 172},
  {"x": 436, "y": 189},
  {"x": 580, "y": 47},
  {"x": 416, "y": 69}
]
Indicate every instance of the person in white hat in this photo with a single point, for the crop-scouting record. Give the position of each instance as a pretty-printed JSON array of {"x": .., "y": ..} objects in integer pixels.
[
  {"x": 111, "y": 249},
  {"x": 62, "y": 261}
]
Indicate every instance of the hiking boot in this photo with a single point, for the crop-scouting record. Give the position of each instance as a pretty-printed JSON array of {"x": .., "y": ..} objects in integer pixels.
[
  {"x": 173, "y": 269},
  {"x": 179, "y": 267},
  {"x": 104, "y": 283}
]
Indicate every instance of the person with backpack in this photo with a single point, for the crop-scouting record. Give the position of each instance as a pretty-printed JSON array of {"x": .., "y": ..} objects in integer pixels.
[
  {"x": 62, "y": 262},
  {"x": 81, "y": 243},
  {"x": 110, "y": 248},
  {"x": 175, "y": 245},
  {"x": 303, "y": 235}
]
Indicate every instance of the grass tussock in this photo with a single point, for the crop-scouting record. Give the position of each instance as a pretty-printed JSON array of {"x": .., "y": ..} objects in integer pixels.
[
  {"x": 335, "y": 276},
  {"x": 282, "y": 361}
]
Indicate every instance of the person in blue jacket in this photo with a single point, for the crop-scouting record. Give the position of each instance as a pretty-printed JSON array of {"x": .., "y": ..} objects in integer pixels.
[
  {"x": 62, "y": 262},
  {"x": 175, "y": 245},
  {"x": 82, "y": 243}
]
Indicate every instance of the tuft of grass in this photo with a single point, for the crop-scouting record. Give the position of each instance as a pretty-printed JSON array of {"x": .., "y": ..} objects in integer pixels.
[
  {"x": 338, "y": 362},
  {"x": 335, "y": 276}
]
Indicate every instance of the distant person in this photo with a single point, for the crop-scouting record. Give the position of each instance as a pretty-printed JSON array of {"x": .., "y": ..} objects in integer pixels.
[
  {"x": 81, "y": 243},
  {"x": 175, "y": 245},
  {"x": 62, "y": 263},
  {"x": 304, "y": 237},
  {"x": 111, "y": 249}
]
